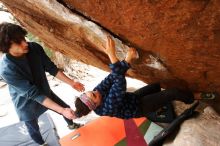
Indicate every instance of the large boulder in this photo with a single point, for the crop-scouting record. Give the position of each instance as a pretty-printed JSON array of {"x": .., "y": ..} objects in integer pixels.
[
  {"x": 178, "y": 41},
  {"x": 200, "y": 131}
]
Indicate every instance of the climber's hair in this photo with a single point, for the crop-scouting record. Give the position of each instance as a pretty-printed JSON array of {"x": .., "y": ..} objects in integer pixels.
[
  {"x": 10, "y": 33},
  {"x": 81, "y": 108}
]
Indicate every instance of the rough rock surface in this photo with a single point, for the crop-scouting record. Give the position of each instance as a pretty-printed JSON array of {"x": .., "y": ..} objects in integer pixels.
[
  {"x": 200, "y": 131},
  {"x": 178, "y": 41},
  {"x": 183, "y": 35}
]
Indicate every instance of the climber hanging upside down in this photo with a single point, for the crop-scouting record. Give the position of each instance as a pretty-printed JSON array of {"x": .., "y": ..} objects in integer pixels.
[{"x": 109, "y": 98}]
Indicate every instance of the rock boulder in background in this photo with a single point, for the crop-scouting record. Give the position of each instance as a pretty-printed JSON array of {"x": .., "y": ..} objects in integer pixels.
[{"x": 178, "y": 41}]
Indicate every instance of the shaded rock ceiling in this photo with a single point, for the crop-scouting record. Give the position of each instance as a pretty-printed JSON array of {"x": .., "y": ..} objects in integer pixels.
[{"x": 178, "y": 41}]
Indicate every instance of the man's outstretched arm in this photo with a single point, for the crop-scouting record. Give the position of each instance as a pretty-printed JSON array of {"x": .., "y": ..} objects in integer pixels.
[
  {"x": 66, "y": 112},
  {"x": 76, "y": 85}
]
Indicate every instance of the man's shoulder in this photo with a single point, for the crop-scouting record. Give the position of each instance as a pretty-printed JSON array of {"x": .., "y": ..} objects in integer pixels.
[
  {"x": 4, "y": 64},
  {"x": 4, "y": 61}
]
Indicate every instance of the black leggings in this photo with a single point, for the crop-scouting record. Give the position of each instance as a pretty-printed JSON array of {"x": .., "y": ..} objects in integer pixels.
[{"x": 152, "y": 98}]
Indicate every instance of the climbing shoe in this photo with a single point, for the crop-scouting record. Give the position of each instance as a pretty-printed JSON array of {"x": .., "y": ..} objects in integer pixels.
[
  {"x": 208, "y": 95},
  {"x": 74, "y": 126},
  {"x": 45, "y": 144}
]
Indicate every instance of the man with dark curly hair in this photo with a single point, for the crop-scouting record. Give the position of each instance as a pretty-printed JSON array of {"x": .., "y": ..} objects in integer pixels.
[{"x": 22, "y": 67}]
